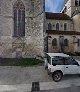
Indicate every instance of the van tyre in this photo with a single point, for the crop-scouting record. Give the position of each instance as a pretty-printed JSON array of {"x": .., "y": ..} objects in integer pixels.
[{"x": 57, "y": 76}]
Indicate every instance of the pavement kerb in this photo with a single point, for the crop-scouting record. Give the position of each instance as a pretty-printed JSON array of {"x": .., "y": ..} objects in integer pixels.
[
  {"x": 43, "y": 86},
  {"x": 54, "y": 85}
]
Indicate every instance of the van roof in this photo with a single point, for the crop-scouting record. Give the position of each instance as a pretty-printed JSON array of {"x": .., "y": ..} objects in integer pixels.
[{"x": 58, "y": 54}]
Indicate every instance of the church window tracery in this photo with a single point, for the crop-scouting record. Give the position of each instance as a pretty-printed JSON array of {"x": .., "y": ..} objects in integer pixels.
[{"x": 19, "y": 19}]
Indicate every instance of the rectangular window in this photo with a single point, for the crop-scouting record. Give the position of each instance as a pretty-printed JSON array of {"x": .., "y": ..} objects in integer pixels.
[
  {"x": 79, "y": 2},
  {"x": 76, "y": 2},
  {"x": 78, "y": 42}
]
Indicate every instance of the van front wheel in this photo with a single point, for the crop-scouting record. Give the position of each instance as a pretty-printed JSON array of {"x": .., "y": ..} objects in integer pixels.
[{"x": 57, "y": 76}]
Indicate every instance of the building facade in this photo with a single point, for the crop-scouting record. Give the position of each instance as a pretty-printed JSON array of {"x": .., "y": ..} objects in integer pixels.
[
  {"x": 63, "y": 29},
  {"x": 26, "y": 30},
  {"x": 21, "y": 28}
]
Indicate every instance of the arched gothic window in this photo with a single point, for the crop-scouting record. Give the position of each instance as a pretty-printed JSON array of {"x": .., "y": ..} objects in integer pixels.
[
  {"x": 66, "y": 42},
  {"x": 19, "y": 19},
  {"x": 57, "y": 26},
  {"x": 49, "y": 26},
  {"x": 65, "y": 26},
  {"x": 54, "y": 42},
  {"x": 76, "y": 2}
]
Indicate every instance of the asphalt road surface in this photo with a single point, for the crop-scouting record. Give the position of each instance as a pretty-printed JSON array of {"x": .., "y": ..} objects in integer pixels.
[{"x": 69, "y": 89}]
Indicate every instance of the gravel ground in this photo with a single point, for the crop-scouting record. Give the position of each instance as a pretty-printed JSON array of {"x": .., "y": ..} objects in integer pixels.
[{"x": 19, "y": 79}]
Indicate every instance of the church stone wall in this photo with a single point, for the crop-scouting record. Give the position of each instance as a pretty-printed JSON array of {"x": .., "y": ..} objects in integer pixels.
[
  {"x": 32, "y": 45},
  {"x": 39, "y": 26}
]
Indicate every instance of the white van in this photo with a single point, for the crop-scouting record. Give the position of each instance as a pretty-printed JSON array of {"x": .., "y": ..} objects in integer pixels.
[{"x": 59, "y": 64}]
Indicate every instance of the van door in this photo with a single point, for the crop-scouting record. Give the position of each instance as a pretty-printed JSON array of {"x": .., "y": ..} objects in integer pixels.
[
  {"x": 58, "y": 64},
  {"x": 71, "y": 66}
]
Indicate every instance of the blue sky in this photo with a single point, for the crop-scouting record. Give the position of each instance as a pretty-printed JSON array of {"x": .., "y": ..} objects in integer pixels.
[{"x": 54, "y": 5}]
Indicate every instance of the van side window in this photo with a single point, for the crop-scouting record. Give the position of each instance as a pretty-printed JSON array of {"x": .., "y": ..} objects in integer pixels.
[
  {"x": 70, "y": 61},
  {"x": 57, "y": 61}
]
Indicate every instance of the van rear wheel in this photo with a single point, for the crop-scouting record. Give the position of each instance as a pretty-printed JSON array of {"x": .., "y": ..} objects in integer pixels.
[{"x": 57, "y": 76}]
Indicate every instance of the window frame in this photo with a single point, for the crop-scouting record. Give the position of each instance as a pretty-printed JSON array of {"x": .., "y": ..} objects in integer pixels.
[
  {"x": 78, "y": 43},
  {"x": 49, "y": 26},
  {"x": 66, "y": 42},
  {"x": 57, "y": 26},
  {"x": 73, "y": 62},
  {"x": 57, "y": 60},
  {"x": 19, "y": 19},
  {"x": 54, "y": 42},
  {"x": 77, "y": 3},
  {"x": 65, "y": 26}
]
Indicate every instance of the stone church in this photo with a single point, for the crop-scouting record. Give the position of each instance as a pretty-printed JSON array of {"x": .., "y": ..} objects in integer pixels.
[
  {"x": 21, "y": 28},
  {"x": 63, "y": 29},
  {"x": 26, "y": 30}
]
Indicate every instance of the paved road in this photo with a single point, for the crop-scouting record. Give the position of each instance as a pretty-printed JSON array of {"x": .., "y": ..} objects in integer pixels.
[
  {"x": 19, "y": 79},
  {"x": 69, "y": 89},
  {"x": 10, "y": 75}
]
